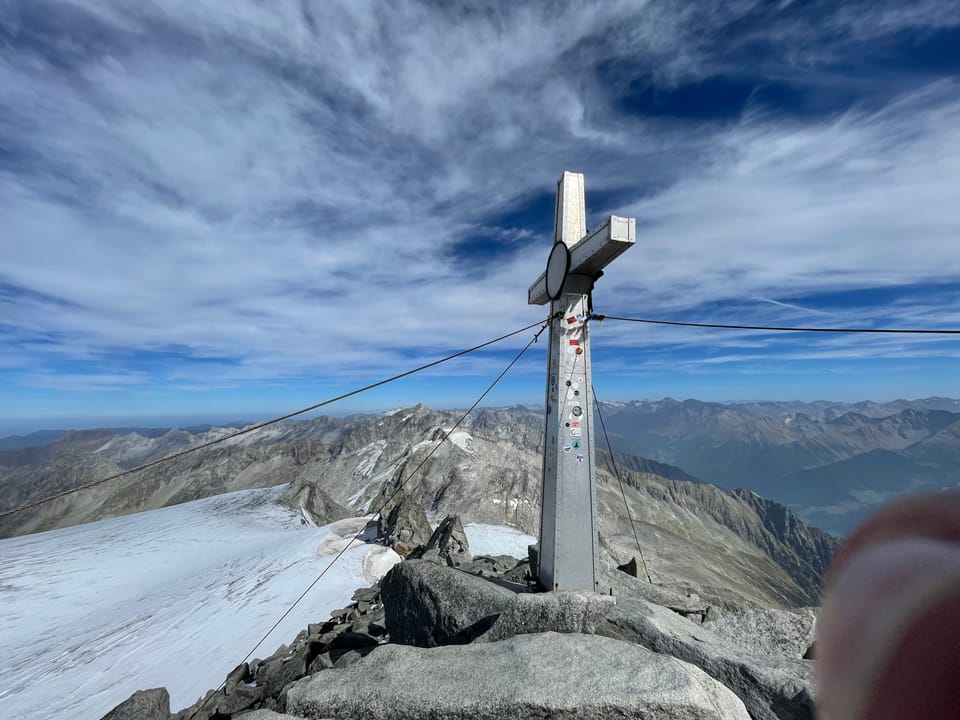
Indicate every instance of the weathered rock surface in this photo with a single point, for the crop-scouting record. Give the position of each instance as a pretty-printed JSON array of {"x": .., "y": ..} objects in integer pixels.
[
  {"x": 143, "y": 705},
  {"x": 403, "y": 525},
  {"x": 428, "y": 604},
  {"x": 624, "y": 584},
  {"x": 448, "y": 544},
  {"x": 265, "y": 715},
  {"x": 315, "y": 504},
  {"x": 764, "y": 631},
  {"x": 529, "y": 676},
  {"x": 771, "y": 687},
  {"x": 562, "y": 612},
  {"x": 491, "y": 565}
]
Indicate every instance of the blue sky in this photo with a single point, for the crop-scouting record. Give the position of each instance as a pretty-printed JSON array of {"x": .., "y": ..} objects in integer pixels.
[{"x": 225, "y": 210}]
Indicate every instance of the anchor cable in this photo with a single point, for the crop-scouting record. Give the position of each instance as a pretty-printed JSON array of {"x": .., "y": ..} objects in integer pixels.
[
  {"x": 386, "y": 503},
  {"x": 773, "y": 328},
  {"x": 616, "y": 472},
  {"x": 258, "y": 426}
]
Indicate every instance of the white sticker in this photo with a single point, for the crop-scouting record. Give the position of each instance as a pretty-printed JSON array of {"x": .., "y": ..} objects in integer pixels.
[{"x": 576, "y": 432}]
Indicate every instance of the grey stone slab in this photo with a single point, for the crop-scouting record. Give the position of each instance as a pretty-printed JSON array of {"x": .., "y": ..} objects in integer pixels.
[
  {"x": 548, "y": 675},
  {"x": 772, "y": 688},
  {"x": 567, "y": 611},
  {"x": 764, "y": 631}
]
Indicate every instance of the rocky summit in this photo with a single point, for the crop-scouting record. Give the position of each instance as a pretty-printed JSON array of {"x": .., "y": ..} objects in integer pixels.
[{"x": 457, "y": 636}]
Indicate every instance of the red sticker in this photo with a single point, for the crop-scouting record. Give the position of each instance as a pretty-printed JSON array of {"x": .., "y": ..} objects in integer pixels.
[
  {"x": 575, "y": 423},
  {"x": 571, "y": 320},
  {"x": 574, "y": 342}
]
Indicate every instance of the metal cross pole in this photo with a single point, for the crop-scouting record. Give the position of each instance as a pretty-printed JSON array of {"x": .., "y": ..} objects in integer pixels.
[{"x": 567, "y": 553}]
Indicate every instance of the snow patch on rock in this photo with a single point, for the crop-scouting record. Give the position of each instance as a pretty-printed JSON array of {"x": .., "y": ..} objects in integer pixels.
[
  {"x": 378, "y": 562},
  {"x": 498, "y": 540},
  {"x": 462, "y": 440},
  {"x": 369, "y": 455}
]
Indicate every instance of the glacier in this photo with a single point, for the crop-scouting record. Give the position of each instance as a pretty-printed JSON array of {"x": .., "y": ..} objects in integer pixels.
[{"x": 174, "y": 597}]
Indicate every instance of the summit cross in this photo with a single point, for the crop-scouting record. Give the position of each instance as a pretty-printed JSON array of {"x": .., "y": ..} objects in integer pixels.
[{"x": 567, "y": 553}]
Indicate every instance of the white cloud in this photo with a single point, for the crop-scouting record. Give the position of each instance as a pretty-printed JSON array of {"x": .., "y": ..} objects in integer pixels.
[
  {"x": 866, "y": 199},
  {"x": 72, "y": 382},
  {"x": 283, "y": 183}
]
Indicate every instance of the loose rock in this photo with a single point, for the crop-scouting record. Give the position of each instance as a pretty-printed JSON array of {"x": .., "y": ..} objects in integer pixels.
[
  {"x": 143, "y": 705},
  {"x": 402, "y": 523},
  {"x": 448, "y": 545},
  {"x": 428, "y": 605}
]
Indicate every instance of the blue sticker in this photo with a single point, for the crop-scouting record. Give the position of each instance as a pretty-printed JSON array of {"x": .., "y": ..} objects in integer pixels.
[
  {"x": 579, "y": 457},
  {"x": 566, "y": 447},
  {"x": 576, "y": 444}
]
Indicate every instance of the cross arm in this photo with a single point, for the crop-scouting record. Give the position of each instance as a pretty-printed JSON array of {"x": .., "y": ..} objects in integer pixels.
[{"x": 591, "y": 254}]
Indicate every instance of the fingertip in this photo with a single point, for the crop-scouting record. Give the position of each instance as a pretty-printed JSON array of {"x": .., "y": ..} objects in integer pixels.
[
  {"x": 881, "y": 596},
  {"x": 921, "y": 679}
]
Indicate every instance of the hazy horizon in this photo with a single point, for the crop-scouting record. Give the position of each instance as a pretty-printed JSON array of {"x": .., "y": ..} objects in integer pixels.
[{"x": 26, "y": 426}]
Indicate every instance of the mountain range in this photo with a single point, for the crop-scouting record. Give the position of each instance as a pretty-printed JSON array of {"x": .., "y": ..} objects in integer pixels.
[
  {"x": 730, "y": 547},
  {"x": 833, "y": 463}
]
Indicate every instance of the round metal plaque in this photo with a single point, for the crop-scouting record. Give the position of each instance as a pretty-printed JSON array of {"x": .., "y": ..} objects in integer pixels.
[{"x": 558, "y": 265}]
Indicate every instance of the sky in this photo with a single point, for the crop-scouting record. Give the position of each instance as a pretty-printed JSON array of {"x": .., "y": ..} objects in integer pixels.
[{"x": 225, "y": 211}]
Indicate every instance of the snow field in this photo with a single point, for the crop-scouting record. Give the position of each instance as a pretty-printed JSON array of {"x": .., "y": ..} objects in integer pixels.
[{"x": 174, "y": 597}]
